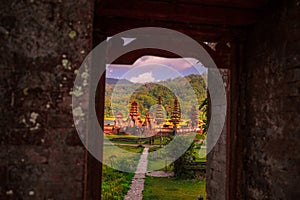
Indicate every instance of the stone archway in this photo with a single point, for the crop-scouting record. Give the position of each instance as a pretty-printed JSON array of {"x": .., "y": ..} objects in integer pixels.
[{"x": 219, "y": 155}]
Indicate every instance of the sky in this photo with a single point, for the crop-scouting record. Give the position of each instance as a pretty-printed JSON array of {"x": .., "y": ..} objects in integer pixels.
[{"x": 155, "y": 69}]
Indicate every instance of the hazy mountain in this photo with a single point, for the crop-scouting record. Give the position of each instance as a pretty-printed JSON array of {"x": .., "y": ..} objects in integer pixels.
[{"x": 113, "y": 81}]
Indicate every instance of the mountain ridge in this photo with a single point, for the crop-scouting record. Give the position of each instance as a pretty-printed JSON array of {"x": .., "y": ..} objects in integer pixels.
[
  {"x": 114, "y": 81},
  {"x": 146, "y": 94}
]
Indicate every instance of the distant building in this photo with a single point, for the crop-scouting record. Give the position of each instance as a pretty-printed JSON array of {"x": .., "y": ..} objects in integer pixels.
[
  {"x": 159, "y": 115},
  {"x": 119, "y": 119},
  {"x": 134, "y": 115},
  {"x": 176, "y": 114},
  {"x": 194, "y": 117}
]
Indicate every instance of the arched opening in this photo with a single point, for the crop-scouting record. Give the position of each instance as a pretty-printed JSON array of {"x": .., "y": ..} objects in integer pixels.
[
  {"x": 149, "y": 104},
  {"x": 44, "y": 43},
  {"x": 218, "y": 156},
  {"x": 223, "y": 49}
]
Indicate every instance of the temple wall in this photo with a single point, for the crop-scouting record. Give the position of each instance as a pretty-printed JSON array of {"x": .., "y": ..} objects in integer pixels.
[
  {"x": 42, "y": 45},
  {"x": 271, "y": 131},
  {"x": 216, "y": 158},
  {"x": 41, "y": 155}
]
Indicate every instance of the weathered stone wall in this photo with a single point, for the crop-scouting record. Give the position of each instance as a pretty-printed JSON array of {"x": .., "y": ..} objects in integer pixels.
[
  {"x": 216, "y": 159},
  {"x": 216, "y": 169},
  {"x": 272, "y": 129},
  {"x": 42, "y": 45}
]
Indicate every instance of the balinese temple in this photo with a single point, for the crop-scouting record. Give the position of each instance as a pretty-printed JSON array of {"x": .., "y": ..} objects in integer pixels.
[
  {"x": 194, "y": 117},
  {"x": 159, "y": 116},
  {"x": 134, "y": 115},
  {"x": 119, "y": 119},
  {"x": 148, "y": 121},
  {"x": 176, "y": 114}
]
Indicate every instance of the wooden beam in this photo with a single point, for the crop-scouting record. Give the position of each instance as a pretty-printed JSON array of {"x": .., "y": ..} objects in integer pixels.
[
  {"x": 253, "y": 4},
  {"x": 234, "y": 188},
  {"x": 165, "y": 11},
  {"x": 112, "y": 26},
  {"x": 131, "y": 57},
  {"x": 93, "y": 176}
]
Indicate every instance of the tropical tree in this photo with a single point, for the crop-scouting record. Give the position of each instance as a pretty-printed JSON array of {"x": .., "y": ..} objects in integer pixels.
[{"x": 203, "y": 108}]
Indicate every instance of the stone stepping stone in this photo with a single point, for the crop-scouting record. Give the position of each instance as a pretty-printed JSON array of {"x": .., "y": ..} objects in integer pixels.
[{"x": 137, "y": 184}]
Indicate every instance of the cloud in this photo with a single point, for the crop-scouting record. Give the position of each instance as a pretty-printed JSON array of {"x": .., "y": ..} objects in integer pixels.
[
  {"x": 116, "y": 71},
  {"x": 182, "y": 66},
  {"x": 143, "y": 78},
  {"x": 178, "y": 64}
]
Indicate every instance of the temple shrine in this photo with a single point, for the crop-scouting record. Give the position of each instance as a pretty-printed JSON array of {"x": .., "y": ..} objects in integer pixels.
[{"x": 154, "y": 123}]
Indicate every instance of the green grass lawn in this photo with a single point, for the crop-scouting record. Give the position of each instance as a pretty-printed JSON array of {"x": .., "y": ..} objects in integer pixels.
[
  {"x": 157, "y": 160},
  {"x": 125, "y": 142},
  {"x": 121, "y": 136},
  {"x": 115, "y": 184},
  {"x": 165, "y": 140},
  {"x": 159, "y": 164},
  {"x": 173, "y": 189},
  {"x": 127, "y": 156}
]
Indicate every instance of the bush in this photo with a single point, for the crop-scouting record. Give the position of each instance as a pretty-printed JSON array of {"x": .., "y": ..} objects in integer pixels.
[
  {"x": 124, "y": 165},
  {"x": 179, "y": 165}
]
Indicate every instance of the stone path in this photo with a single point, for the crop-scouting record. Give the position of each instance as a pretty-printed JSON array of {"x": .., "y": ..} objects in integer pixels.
[{"x": 137, "y": 185}]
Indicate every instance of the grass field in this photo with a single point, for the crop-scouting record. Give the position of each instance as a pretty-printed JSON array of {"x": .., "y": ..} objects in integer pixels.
[
  {"x": 115, "y": 184},
  {"x": 157, "y": 160},
  {"x": 173, "y": 189},
  {"x": 121, "y": 136},
  {"x": 125, "y": 156}
]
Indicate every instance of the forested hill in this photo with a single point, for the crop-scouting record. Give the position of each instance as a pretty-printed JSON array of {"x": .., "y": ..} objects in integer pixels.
[
  {"x": 184, "y": 88},
  {"x": 113, "y": 81}
]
